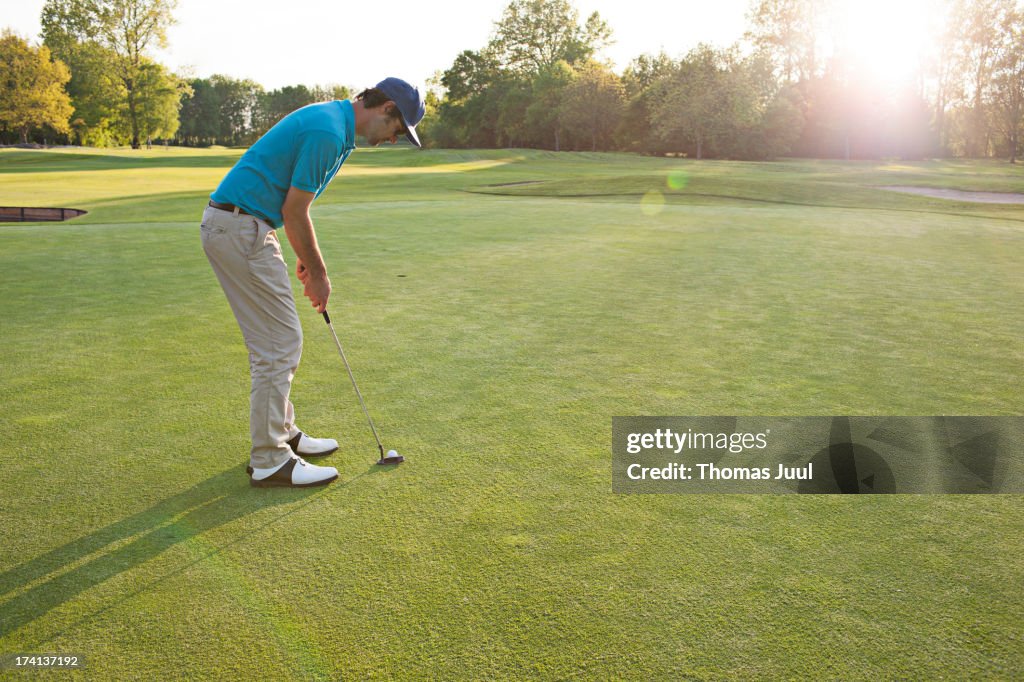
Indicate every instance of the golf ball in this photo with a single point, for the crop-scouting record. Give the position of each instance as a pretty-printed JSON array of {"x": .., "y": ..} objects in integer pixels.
[{"x": 392, "y": 453}]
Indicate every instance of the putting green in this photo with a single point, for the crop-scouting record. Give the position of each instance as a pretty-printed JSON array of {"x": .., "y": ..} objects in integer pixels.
[{"x": 498, "y": 308}]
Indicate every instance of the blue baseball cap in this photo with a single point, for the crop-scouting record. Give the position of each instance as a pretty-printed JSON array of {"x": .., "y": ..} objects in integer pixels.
[{"x": 410, "y": 104}]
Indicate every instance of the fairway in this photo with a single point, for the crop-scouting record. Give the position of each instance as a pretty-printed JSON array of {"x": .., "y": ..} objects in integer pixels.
[{"x": 498, "y": 309}]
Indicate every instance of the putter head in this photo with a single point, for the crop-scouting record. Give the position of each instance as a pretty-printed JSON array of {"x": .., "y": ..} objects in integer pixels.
[{"x": 391, "y": 458}]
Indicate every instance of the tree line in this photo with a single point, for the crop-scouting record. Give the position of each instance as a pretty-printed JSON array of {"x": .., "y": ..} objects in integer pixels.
[
  {"x": 92, "y": 83},
  {"x": 539, "y": 82},
  {"x": 225, "y": 111}
]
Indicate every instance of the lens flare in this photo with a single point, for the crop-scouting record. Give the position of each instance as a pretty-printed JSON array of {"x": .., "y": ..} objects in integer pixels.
[
  {"x": 652, "y": 203},
  {"x": 676, "y": 180}
]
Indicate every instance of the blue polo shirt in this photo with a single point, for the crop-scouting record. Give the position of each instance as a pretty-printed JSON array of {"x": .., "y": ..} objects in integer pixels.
[{"x": 304, "y": 149}]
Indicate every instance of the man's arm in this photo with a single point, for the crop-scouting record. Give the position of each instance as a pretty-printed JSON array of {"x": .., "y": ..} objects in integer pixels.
[{"x": 298, "y": 226}]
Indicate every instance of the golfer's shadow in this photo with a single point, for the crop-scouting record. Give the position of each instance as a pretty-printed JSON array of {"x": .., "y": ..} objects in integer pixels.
[{"x": 212, "y": 503}]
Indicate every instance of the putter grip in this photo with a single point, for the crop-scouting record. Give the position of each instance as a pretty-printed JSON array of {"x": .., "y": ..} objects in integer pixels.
[{"x": 327, "y": 318}]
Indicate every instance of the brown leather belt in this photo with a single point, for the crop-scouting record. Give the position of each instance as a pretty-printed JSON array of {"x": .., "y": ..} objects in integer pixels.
[{"x": 232, "y": 208}]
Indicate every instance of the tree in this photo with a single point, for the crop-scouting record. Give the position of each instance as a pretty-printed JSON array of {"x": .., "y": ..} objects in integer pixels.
[
  {"x": 492, "y": 94},
  {"x": 788, "y": 30},
  {"x": 200, "y": 121},
  {"x": 110, "y": 38},
  {"x": 980, "y": 35},
  {"x": 533, "y": 34},
  {"x": 276, "y": 104},
  {"x": 485, "y": 120},
  {"x": 1008, "y": 82},
  {"x": 715, "y": 103},
  {"x": 129, "y": 28},
  {"x": 70, "y": 30},
  {"x": 593, "y": 105},
  {"x": 511, "y": 128},
  {"x": 330, "y": 92},
  {"x": 96, "y": 93},
  {"x": 942, "y": 68},
  {"x": 220, "y": 110},
  {"x": 430, "y": 127},
  {"x": 157, "y": 103},
  {"x": 67, "y": 23},
  {"x": 780, "y": 125},
  {"x": 469, "y": 75},
  {"x": 475, "y": 85},
  {"x": 695, "y": 102},
  {"x": 31, "y": 87},
  {"x": 764, "y": 119},
  {"x": 545, "y": 115},
  {"x": 238, "y": 104},
  {"x": 638, "y": 81}
]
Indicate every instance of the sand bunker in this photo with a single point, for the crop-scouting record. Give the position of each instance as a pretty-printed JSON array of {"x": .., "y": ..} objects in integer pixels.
[
  {"x": 510, "y": 184},
  {"x": 976, "y": 197},
  {"x": 31, "y": 214}
]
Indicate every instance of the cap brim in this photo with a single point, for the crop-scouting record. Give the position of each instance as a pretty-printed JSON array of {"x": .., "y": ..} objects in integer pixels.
[{"x": 410, "y": 133}]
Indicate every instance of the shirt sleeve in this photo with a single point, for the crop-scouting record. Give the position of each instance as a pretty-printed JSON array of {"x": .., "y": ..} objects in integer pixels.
[{"x": 317, "y": 155}]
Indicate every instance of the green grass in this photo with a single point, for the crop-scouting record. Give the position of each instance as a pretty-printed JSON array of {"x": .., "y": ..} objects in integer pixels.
[{"x": 495, "y": 329}]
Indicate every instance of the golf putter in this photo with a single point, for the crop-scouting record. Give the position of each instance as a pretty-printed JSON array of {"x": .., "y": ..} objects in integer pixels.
[{"x": 392, "y": 457}]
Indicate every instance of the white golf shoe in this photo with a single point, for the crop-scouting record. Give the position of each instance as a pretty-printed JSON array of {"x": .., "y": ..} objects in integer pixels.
[
  {"x": 294, "y": 473},
  {"x": 304, "y": 446}
]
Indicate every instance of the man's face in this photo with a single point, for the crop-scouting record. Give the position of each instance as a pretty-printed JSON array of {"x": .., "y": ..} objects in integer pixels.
[{"x": 383, "y": 128}]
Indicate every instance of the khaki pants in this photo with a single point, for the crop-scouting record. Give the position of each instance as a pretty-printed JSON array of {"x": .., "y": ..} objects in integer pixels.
[{"x": 246, "y": 256}]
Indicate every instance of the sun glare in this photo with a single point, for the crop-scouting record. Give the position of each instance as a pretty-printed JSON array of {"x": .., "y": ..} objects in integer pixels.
[{"x": 883, "y": 40}]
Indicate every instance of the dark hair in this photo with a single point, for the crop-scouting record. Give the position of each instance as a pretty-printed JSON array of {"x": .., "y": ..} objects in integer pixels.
[{"x": 373, "y": 97}]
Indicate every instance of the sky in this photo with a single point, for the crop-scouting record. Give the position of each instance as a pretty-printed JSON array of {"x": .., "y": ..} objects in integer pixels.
[
  {"x": 321, "y": 42},
  {"x": 316, "y": 42}
]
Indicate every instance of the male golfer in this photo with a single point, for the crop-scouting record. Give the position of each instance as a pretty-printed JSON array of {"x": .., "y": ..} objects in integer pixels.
[{"x": 271, "y": 186}]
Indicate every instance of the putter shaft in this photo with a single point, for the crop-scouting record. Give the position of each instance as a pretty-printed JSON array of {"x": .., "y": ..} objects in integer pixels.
[{"x": 327, "y": 319}]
